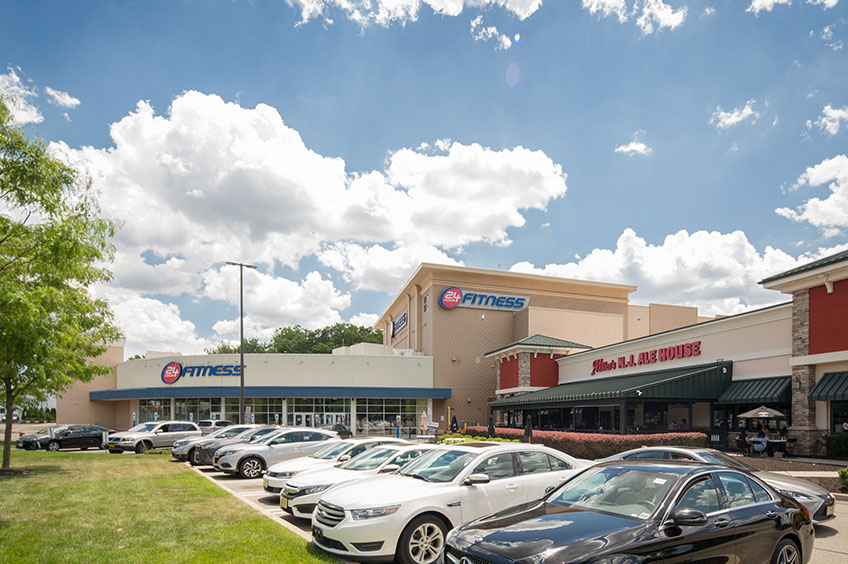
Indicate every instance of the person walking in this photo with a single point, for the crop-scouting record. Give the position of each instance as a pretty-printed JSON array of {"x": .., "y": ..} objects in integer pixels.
[
  {"x": 454, "y": 425},
  {"x": 528, "y": 429},
  {"x": 491, "y": 429}
]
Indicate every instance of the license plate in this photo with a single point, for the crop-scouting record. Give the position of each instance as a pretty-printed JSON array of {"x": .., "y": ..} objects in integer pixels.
[
  {"x": 284, "y": 503},
  {"x": 19, "y": 444},
  {"x": 111, "y": 445},
  {"x": 830, "y": 509},
  {"x": 264, "y": 482}
]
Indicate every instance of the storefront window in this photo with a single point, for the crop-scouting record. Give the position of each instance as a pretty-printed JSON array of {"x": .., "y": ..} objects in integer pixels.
[
  {"x": 378, "y": 416},
  {"x": 263, "y": 410},
  {"x": 195, "y": 409},
  {"x": 316, "y": 412},
  {"x": 839, "y": 411},
  {"x": 154, "y": 410}
]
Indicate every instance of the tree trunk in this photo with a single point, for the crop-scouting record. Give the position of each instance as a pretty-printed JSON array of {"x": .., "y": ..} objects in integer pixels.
[{"x": 7, "y": 434}]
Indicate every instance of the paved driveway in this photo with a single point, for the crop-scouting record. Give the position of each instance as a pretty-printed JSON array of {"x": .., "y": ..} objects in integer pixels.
[{"x": 831, "y": 546}]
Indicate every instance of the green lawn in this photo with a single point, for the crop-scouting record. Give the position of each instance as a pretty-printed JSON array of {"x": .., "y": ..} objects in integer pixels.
[{"x": 91, "y": 508}]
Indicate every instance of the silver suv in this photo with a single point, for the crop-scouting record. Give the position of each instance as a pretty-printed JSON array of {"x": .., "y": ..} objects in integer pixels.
[{"x": 154, "y": 434}]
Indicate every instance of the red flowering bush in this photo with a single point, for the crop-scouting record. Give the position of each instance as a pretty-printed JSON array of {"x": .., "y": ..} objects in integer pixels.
[{"x": 596, "y": 445}]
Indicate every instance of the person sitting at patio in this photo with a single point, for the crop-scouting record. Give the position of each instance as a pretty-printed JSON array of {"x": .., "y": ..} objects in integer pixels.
[
  {"x": 743, "y": 444},
  {"x": 783, "y": 435},
  {"x": 684, "y": 426},
  {"x": 672, "y": 426}
]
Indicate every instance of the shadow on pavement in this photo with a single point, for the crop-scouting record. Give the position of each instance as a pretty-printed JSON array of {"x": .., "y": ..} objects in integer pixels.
[{"x": 824, "y": 532}]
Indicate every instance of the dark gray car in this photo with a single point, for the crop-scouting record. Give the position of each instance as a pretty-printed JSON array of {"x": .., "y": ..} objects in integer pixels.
[{"x": 205, "y": 449}]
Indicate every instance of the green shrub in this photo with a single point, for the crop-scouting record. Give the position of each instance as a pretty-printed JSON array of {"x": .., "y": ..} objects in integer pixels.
[
  {"x": 597, "y": 445},
  {"x": 836, "y": 446},
  {"x": 843, "y": 476}
]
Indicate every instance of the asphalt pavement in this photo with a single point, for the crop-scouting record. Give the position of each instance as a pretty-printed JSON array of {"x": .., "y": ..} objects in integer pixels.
[{"x": 831, "y": 546}]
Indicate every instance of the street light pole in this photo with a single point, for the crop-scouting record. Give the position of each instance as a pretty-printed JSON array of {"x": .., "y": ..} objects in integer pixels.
[{"x": 241, "y": 266}]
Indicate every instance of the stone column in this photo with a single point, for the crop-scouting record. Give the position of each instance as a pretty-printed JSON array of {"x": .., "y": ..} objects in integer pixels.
[
  {"x": 523, "y": 369},
  {"x": 803, "y": 379}
]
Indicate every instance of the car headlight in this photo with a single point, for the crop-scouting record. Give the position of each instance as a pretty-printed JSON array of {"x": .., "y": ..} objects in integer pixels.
[
  {"x": 179, "y": 444},
  {"x": 797, "y": 495},
  {"x": 359, "y": 514},
  {"x": 211, "y": 445},
  {"x": 128, "y": 439},
  {"x": 314, "y": 489},
  {"x": 283, "y": 475}
]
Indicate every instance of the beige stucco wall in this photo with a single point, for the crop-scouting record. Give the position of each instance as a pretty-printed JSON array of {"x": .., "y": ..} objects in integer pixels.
[
  {"x": 288, "y": 370},
  {"x": 758, "y": 343},
  {"x": 665, "y": 317},
  {"x": 73, "y": 405},
  {"x": 584, "y": 327},
  {"x": 638, "y": 322}
]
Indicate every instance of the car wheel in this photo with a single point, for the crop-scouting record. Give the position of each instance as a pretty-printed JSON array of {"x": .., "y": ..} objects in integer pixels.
[
  {"x": 194, "y": 457},
  {"x": 141, "y": 447},
  {"x": 786, "y": 552},
  {"x": 422, "y": 541},
  {"x": 250, "y": 468},
  {"x": 53, "y": 446}
]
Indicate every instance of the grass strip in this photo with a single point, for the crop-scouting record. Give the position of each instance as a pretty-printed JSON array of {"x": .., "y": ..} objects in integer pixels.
[{"x": 103, "y": 508}]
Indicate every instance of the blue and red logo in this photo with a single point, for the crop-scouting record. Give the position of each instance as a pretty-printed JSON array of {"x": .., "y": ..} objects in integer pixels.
[
  {"x": 172, "y": 372},
  {"x": 450, "y": 298}
]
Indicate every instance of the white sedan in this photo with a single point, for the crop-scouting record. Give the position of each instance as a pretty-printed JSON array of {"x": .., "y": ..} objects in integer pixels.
[
  {"x": 406, "y": 515},
  {"x": 302, "y": 492}
]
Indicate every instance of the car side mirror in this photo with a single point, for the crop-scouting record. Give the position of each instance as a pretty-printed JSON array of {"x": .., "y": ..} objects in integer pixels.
[
  {"x": 344, "y": 458},
  {"x": 688, "y": 517},
  {"x": 549, "y": 489},
  {"x": 389, "y": 468},
  {"x": 475, "y": 479}
]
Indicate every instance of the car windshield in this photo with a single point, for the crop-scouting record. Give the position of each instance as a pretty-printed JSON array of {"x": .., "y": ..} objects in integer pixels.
[
  {"x": 218, "y": 433},
  {"x": 369, "y": 460},
  {"x": 332, "y": 450},
  {"x": 144, "y": 427},
  {"x": 257, "y": 435},
  {"x": 439, "y": 466},
  {"x": 725, "y": 460},
  {"x": 265, "y": 439},
  {"x": 205, "y": 423},
  {"x": 56, "y": 429},
  {"x": 627, "y": 492},
  {"x": 228, "y": 432}
]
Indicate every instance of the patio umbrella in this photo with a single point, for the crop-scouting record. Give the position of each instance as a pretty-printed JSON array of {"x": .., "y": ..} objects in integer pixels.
[{"x": 762, "y": 412}]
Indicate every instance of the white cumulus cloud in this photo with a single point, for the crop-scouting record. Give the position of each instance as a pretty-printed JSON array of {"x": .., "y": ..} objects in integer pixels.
[
  {"x": 635, "y": 147},
  {"x": 717, "y": 272},
  {"x": 829, "y": 213},
  {"x": 62, "y": 99},
  {"x": 607, "y": 8},
  {"x": 484, "y": 33},
  {"x": 723, "y": 120},
  {"x": 826, "y": 3},
  {"x": 758, "y": 6},
  {"x": 18, "y": 97},
  {"x": 656, "y": 14},
  {"x": 832, "y": 118}
]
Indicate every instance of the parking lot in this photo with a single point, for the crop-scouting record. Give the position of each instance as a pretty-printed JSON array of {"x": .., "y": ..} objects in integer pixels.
[{"x": 831, "y": 546}]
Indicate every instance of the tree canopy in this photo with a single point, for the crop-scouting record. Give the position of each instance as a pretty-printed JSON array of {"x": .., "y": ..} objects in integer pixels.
[
  {"x": 297, "y": 339},
  {"x": 53, "y": 246}
]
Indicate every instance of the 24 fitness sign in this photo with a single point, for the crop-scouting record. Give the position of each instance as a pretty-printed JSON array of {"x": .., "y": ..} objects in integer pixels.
[
  {"x": 174, "y": 370},
  {"x": 455, "y": 297}
]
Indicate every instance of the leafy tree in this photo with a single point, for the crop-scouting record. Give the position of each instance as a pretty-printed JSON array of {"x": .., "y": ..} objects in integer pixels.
[
  {"x": 53, "y": 245},
  {"x": 297, "y": 340}
]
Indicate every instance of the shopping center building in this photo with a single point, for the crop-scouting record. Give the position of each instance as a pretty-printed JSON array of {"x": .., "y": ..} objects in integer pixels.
[{"x": 436, "y": 331}]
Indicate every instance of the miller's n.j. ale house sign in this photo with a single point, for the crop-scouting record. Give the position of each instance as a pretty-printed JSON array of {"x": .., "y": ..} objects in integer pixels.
[{"x": 661, "y": 354}]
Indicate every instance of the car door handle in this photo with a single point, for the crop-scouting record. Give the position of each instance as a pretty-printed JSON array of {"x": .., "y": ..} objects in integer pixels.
[
  {"x": 512, "y": 487},
  {"x": 771, "y": 514},
  {"x": 722, "y": 523}
]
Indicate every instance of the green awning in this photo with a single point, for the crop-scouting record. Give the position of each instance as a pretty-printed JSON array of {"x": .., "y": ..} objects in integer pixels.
[
  {"x": 758, "y": 391},
  {"x": 832, "y": 386},
  {"x": 703, "y": 382}
]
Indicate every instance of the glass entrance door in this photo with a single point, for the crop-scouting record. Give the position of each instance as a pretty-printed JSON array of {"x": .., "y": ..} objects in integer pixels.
[{"x": 303, "y": 419}]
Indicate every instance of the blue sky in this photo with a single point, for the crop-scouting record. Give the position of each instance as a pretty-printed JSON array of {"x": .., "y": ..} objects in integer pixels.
[{"x": 338, "y": 144}]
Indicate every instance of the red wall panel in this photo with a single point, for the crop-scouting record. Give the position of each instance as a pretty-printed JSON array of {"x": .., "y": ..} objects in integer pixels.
[
  {"x": 829, "y": 318},
  {"x": 544, "y": 371},
  {"x": 509, "y": 373}
]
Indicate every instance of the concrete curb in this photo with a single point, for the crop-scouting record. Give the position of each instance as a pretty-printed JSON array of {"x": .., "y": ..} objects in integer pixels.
[{"x": 840, "y": 496}]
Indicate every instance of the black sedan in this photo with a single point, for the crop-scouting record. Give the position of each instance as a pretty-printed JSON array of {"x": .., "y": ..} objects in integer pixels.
[
  {"x": 628, "y": 512},
  {"x": 64, "y": 436}
]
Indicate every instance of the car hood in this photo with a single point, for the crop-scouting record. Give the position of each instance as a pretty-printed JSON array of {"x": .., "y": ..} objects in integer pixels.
[
  {"x": 33, "y": 437},
  {"x": 377, "y": 491},
  {"x": 244, "y": 447},
  {"x": 541, "y": 532},
  {"x": 300, "y": 464},
  {"x": 784, "y": 482},
  {"x": 323, "y": 476},
  {"x": 123, "y": 434},
  {"x": 206, "y": 442}
]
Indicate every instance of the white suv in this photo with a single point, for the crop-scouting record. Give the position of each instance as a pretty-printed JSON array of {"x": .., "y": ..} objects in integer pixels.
[
  {"x": 302, "y": 492},
  {"x": 406, "y": 515}
]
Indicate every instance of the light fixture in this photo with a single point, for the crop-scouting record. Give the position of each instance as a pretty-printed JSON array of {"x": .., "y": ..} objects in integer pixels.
[
  {"x": 797, "y": 383},
  {"x": 241, "y": 266}
]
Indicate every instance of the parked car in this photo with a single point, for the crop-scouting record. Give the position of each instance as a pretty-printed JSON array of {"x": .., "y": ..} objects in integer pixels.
[
  {"x": 249, "y": 460},
  {"x": 406, "y": 515},
  {"x": 64, "y": 436},
  {"x": 276, "y": 476},
  {"x": 301, "y": 493},
  {"x": 184, "y": 449},
  {"x": 205, "y": 449},
  {"x": 818, "y": 501},
  {"x": 340, "y": 428},
  {"x": 210, "y": 425},
  {"x": 16, "y": 417},
  {"x": 637, "y": 510},
  {"x": 154, "y": 434}
]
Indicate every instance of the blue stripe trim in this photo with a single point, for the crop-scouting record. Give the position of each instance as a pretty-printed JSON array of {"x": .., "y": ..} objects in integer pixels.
[{"x": 271, "y": 392}]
